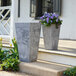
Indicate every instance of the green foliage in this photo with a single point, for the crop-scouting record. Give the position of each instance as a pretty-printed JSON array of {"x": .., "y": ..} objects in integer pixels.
[
  {"x": 1, "y": 53},
  {"x": 70, "y": 72},
  {"x": 11, "y": 64},
  {"x": 10, "y": 58},
  {"x": 15, "y": 45}
]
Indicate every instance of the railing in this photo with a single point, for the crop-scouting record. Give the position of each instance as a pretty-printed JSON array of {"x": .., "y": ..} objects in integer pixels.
[{"x": 5, "y": 21}]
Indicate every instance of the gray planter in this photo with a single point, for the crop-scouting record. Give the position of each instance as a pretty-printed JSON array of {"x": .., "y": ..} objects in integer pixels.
[
  {"x": 51, "y": 37},
  {"x": 28, "y": 35}
]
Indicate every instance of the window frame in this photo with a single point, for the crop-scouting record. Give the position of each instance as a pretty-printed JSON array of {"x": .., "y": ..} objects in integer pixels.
[{"x": 58, "y": 11}]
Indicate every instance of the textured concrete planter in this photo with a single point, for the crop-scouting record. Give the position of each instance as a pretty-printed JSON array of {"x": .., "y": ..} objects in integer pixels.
[
  {"x": 28, "y": 35},
  {"x": 51, "y": 37}
]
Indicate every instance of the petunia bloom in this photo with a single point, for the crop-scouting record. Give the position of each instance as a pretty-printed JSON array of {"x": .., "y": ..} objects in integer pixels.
[
  {"x": 56, "y": 20},
  {"x": 47, "y": 20},
  {"x": 51, "y": 17}
]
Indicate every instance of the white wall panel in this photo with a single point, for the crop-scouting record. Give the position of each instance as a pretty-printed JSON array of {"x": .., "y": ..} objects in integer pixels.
[{"x": 68, "y": 28}]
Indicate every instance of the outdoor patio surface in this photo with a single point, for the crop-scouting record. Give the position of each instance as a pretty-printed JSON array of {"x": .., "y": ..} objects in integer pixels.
[
  {"x": 4, "y": 73},
  {"x": 63, "y": 46}
]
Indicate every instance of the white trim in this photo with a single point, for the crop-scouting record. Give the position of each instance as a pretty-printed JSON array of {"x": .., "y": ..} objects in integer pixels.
[
  {"x": 12, "y": 19},
  {"x": 57, "y": 52},
  {"x": 5, "y": 36},
  {"x": 5, "y": 7}
]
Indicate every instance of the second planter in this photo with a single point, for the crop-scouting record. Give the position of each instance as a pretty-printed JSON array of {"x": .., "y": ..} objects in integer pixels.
[{"x": 51, "y": 37}]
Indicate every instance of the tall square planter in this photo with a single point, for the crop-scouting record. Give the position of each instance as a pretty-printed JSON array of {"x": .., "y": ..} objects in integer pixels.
[
  {"x": 51, "y": 37},
  {"x": 28, "y": 35}
]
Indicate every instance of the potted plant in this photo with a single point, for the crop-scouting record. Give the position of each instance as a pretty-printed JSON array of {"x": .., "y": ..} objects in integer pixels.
[
  {"x": 28, "y": 35},
  {"x": 51, "y": 28}
]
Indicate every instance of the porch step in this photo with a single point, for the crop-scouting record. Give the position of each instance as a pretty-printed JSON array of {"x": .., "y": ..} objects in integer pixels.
[
  {"x": 62, "y": 57},
  {"x": 42, "y": 68},
  {"x": 66, "y": 53},
  {"x": 6, "y": 42}
]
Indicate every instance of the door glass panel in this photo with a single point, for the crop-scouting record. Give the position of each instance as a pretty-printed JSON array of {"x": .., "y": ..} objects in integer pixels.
[
  {"x": 33, "y": 8},
  {"x": 47, "y": 6}
]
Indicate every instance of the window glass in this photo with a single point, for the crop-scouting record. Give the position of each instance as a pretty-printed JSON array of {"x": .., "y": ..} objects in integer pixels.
[
  {"x": 5, "y": 2},
  {"x": 0, "y": 2},
  {"x": 47, "y": 6},
  {"x": 33, "y": 8}
]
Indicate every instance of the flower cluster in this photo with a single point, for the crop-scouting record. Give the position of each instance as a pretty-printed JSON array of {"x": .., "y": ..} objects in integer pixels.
[{"x": 50, "y": 18}]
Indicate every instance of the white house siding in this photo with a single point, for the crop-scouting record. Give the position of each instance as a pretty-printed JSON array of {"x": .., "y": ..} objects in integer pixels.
[
  {"x": 68, "y": 28},
  {"x": 24, "y": 11}
]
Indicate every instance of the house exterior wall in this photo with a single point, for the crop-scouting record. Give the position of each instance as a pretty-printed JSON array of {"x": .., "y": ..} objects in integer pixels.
[
  {"x": 68, "y": 16},
  {"x": 68, "y": 28},
  {"x": 24, "y": 11}
]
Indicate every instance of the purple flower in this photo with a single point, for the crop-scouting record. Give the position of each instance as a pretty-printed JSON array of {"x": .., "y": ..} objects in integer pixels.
[
  {"x": 51, "y": 17},
  {"x": 41, "y": 17},
  {"x": 53, "y": 14},
  {"x": 47, "y": 14},
  {"x": 56, "y": 16},
  {"x": 47, "y": 20},
  {"x": 56, "y": 20}
]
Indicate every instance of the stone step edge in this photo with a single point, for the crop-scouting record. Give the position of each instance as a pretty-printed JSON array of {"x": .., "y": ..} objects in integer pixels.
[
  {"x": 57, "y": 52},
  {"x": 32, "y": 68},
  {"x": 36, "y": 66},
  {"x": 55, "y": 63}
]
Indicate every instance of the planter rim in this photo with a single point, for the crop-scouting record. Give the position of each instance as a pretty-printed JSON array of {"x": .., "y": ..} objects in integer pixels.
[
  {"x": 52, "y": 24},
  {"x": 29, "y": 22}
]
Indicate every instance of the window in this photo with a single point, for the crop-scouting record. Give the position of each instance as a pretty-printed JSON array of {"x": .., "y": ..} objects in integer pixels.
[
  {"x": 33, "y": 8},
  {"x": 47, "y": 6},
  {"x": 5, "y": 3},
  {"x": 39, "y": 7},
  {"x": 57, "y": 6}
]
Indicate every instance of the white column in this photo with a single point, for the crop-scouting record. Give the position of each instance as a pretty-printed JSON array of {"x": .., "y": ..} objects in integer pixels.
[{"x": 13, "y": 18}]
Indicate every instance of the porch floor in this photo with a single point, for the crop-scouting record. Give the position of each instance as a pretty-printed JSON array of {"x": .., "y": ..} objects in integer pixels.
[{"x": 68, "y": 46}]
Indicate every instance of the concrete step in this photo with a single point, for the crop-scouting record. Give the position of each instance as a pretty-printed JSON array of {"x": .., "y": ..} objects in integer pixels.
[
  {"x": 57, "y": 56},
  {"x": 42, "y": 68},
  {"x": 66, "y": 53}
]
